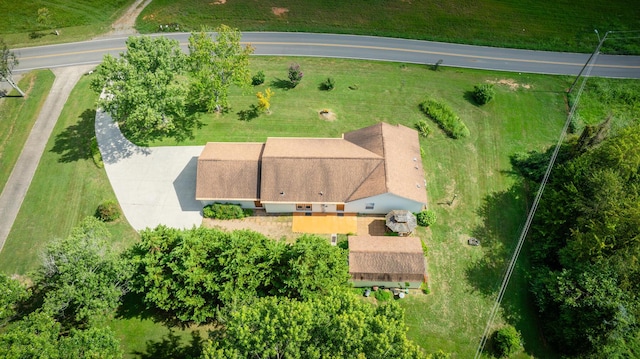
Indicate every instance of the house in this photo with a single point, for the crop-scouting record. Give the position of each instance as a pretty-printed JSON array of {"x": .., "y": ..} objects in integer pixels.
[
  {"x": 371, "y": 170},
  {"x": 385, "y": 261}
]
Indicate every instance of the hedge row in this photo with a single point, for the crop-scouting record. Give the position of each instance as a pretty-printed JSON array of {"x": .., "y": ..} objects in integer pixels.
[
  {"x": 225, "y": 211},
  {"x": 444, "y": 116}
]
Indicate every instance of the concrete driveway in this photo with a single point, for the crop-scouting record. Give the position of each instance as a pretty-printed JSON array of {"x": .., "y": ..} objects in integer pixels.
[{"x": 153, "y": 185}]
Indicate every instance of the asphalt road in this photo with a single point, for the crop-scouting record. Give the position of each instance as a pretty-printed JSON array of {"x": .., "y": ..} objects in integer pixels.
[{"x": 358, "y": 47}]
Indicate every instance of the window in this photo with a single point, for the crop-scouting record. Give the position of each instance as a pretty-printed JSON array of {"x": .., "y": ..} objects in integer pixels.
[
  {"x": 369, "y": 205},
  {"x": 303, "y": 207}
]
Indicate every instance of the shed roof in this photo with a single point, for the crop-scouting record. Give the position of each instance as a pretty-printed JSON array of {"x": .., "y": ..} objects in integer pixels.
[{"x": 386, "y": 258}]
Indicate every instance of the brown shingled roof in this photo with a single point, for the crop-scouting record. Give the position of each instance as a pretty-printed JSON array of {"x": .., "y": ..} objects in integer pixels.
[
  {"x": 228, "y": 170},
  {"x": 315, "y": 169},
  {"x": 400, "y": 147},
  {"x": 389, "y": 259}
]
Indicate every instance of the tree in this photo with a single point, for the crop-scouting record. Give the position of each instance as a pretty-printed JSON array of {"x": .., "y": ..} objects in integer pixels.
[
  {"x": 506, "y": 341},
  {"x": 142, "y": 91},
  {"x": 8, "y": 62},
  {"x": 295, "y": 74},
  {"x": 216, "y": 65},
  {"x": 585, "y": 245},
  {"x": 483, "y": 93},
  {"x": 264, "y": 100},
  {"x": 81, "y": 279},
  {"x": 12, "y": 293}
]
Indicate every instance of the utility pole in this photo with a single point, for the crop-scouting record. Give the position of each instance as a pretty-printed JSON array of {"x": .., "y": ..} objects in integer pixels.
[
  {"x": 590, "y": 57},
  {"x": 8, "y": 60}
]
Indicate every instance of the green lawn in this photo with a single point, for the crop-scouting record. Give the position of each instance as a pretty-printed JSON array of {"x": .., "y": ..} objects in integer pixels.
[
  {"x": 17, "y": 116},
  {"x": 74, "y": 20},
  {"x": 67, "y": 187},
  {"x": 535, "y": 24}
]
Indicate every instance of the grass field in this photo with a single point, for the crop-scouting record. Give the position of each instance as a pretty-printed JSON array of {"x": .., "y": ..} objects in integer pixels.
[
  {"x": 534, "y": 24},
  {"x": 17, "y": 116},
  {"x": 74, "y": 20},
  {"x": 67, "y": 187}
]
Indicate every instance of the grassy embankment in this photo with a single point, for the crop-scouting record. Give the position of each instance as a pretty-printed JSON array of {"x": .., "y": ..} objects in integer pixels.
[
  {"x": 74, "y": 20},
  {"x": 66, "y": 187},
  {"x": 17, "y": 116},
  {"x": 534, "y": 24}
]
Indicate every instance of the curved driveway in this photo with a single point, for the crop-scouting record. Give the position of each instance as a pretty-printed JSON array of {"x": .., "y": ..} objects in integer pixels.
[{"x": 358, "y": 47}]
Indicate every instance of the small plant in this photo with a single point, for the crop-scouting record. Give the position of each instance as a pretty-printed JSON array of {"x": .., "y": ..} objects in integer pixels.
[
  {"x": 424, "y": 287},
  {"x": 328, "y": 84},
  {"x": 423, "y": 128},
  {"x": 108, "y": 211},
  {"x": 426, "y": 218},
  {"x": 223, "y": 211},
  {"x": 295, "y": 75},
  {"x": 506, "y": 341},
  {"x": 382, "y": 295},
  {"x": 444, "y": 116},
  {"x": 483, "y": 93},
  {"x": 425, "y": 249},
  {"x": 264, "y": 100},
  {"x": 258, "y": 79}
]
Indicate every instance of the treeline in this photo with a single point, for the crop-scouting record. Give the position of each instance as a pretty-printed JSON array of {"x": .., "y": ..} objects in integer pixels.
[
  {"x": 266, "y": 298},
  {"x": 585, "y": 245}
]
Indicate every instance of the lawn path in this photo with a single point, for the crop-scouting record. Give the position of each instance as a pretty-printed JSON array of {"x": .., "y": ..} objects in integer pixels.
[{"x": 18, "y": 183}]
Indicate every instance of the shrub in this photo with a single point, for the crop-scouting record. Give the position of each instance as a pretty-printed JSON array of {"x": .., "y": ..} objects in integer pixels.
[
  {"x": 328, "y": 84},
  {"x": 108, "y": 211},
  {"x": 424, "y": 287},
  {"x": 382, "y": 295},
  {"x": 444, "y": 116},
  {"x": 295, "y": 75},
  {"x": 258, "y": 79},
  {"x": 223, "y": 211},
  {"x": 483, "y": 93},
  {"x": 506, "y": 341},
  {"x": 426, "y": 218},
  {"x": 423, "y": 128}
]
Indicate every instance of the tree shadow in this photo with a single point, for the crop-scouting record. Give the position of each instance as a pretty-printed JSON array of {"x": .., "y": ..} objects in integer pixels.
[
  {"x": 468, "y": 95},
  {"x": 281, "y": 84},
  {"x": 248, "y": 115},
  {"x": 74, "y": 143},
  {"x": 503, "y": 215},
  {"x": 171, "y": 346}
]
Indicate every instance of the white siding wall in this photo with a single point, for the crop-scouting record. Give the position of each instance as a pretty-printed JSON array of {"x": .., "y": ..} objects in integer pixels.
[
  {"x": 383, "y": 204},
  {"x": 279, "y": 207}
]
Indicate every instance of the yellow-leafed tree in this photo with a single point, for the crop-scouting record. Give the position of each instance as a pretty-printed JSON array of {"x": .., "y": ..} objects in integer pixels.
[{"x": 264, "y": 100}]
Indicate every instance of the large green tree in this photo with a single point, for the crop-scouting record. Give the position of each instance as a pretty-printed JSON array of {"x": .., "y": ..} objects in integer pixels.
[
  {"x": 142, "y": 90},
  {"x": 81, "y": 279},
  {"x": 190, "y": 272},
  {"x": 11, "y": 295},
  {"x": 216, "y": 64},
  {"x": 338, "y": 325},
  {"x": 585, "y": 250}
]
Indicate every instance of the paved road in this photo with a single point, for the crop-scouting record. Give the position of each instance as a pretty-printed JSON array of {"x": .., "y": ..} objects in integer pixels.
[{"x": 361, "y": 47}]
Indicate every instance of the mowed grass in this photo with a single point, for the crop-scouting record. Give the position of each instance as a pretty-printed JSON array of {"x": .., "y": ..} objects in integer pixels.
[
  {"x": 17, "y": 116},
  {"x": 74, "y": 20},
  {"x": 67, "y": 187},
  {"x": 534, "y": 24},
  {"x": 527, "y": 113}
]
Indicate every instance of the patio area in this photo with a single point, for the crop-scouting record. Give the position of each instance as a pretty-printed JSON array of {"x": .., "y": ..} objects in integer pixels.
[{"x": 325, "y": 224}]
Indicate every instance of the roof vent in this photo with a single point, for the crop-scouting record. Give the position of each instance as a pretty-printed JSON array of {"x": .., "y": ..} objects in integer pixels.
[
  {"x": 282, "y": 193},
  {"x": 321, "y": 193},
  {"x": 415, "y": 159}
]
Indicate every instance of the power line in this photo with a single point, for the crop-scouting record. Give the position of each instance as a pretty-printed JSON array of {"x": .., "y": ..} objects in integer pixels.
[{"x": 532, "y": 211}]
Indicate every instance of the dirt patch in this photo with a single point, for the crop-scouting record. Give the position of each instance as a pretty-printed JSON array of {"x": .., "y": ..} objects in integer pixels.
[
  {"x": 218, "y": 2},
  {"x": 327, "y": 115},
  {"x": 275, "y": 227},
  {"x": 125, "y": 24},
  {"x": 279, "y": 11},
  {"x": 511, "y": 83}
]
